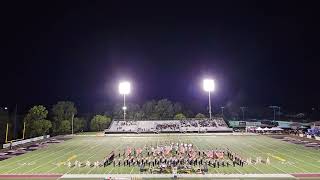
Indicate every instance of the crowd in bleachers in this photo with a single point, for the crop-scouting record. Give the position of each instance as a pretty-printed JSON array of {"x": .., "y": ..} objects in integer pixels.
[
  {"x": 221, "y": 122},
  {"x": 203, "y": 123},
  {"x": 124, "y": 126},
  {"x": 187, "y": 125},
  {"x": 167, "y": 126},
  {"x": 207, "y": 123}
]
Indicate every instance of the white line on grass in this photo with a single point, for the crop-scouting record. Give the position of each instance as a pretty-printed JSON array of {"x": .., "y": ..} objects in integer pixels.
[
  {"x": 294, "y": 152},
  {"x": 262, "y": 152},
  {"x": 78, "y": 155},
  {"x": 40, "y": 157},
  {"x": 210, "y": 146},
  {"x": 96, "y": 153},
  {"x": 33, "y": 154},
  {"x": 258, "y": 144},
  {"x": 52, "y": 160}
]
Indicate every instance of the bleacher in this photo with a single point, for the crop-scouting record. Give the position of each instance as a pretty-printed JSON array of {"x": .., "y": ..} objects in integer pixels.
[{"x": 169, "y": 126}]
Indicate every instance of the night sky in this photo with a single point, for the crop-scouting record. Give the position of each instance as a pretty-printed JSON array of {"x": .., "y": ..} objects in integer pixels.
[{"x": 259, "y": 52}]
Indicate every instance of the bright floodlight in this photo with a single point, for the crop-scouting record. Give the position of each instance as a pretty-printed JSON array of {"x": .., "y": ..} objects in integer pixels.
[
  {"x": 5, "y": 108},
  {"x": 208, "y": 85},
  {"x": 124, "y": 88}
]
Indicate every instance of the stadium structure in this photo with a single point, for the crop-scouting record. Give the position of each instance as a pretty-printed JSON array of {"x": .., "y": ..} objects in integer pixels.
[
  {"x": 164, "y": 149},
  {"x": 214, "y": 125}
]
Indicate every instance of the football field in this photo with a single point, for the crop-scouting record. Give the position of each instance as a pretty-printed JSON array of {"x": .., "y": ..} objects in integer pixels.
[{"x": 285, "y": 157}]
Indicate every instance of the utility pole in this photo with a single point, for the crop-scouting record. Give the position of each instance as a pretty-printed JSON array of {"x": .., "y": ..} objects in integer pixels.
[
  {"x": 274, "y": 111},
  {"x": 72, "y": 123},
  {"x": 209, "y": 105},
  {"x": 279, "y": 113},
  {"x": 242, "y": 109},
  {"x": 222, "y": 111},
  {"x": 15, "y": 123}
]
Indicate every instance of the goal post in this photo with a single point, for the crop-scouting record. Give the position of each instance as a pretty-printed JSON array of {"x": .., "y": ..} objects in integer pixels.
[
  {"x": 14, "y": 140},
  {"x": 7, "y": 132},
  {"x": 24, "y": 130}
]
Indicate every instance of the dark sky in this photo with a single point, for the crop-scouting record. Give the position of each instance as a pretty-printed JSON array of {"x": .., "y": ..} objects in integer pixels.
[{"x": 259, "y": 52}]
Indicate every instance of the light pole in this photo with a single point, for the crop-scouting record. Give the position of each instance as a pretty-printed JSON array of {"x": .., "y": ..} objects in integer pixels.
[
  {"x": 222, "y": 110},
  {"x": 274, "y": 111},
  {"x": 124, "y": 89},
  {"x": 208, "y": 86},
  {"x": 242, "y": 109},
  {"x": 279, "y": 113},
  {"x": 72, "y": 117}
]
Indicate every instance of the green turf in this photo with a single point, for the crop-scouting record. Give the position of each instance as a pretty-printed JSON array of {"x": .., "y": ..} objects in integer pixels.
[{"x": 298, "y": 159}]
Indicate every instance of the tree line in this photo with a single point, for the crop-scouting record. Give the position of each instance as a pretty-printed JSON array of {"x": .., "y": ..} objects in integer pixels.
[{"x": 58, "y": 119}]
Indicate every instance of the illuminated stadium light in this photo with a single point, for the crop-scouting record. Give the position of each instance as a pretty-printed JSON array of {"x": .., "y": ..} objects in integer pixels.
[
  {"x": 208, "y": 86},
  {"x": 124, "y": 88}
]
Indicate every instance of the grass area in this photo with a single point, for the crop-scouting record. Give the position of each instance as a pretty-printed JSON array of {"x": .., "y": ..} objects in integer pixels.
[{"x": 285, "y": 157}]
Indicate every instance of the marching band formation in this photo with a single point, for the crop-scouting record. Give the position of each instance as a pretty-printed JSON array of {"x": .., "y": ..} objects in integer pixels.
[{"x": 165, "y": 158}]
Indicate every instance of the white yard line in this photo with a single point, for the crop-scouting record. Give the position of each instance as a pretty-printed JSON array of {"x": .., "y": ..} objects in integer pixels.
[
  {"x": 304, "y": 162},
  {"x": 92, "y": 149},
  {"x": 124, "y": 142},
  {"x": 294, "y": 151},
  {"x": 49, "y": 162},
  {"x": 113, "y": 149},
  {"x": 252, "y": 165},
  {"x": 210, "y": 146},
  {"x": 35, "y": 153},
  {"x": 250, "y": 146},
  {"x": 40, "y": 157},
  {"x": 247, "y": 154},
  {"x": 280, "y": 153}
]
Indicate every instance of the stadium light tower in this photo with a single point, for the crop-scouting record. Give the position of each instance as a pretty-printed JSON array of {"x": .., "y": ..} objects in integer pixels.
[
  {"x": 274, "y": 111},
  {"x": 124, "y": 89},
  {"x": 208, "y": 85}
]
